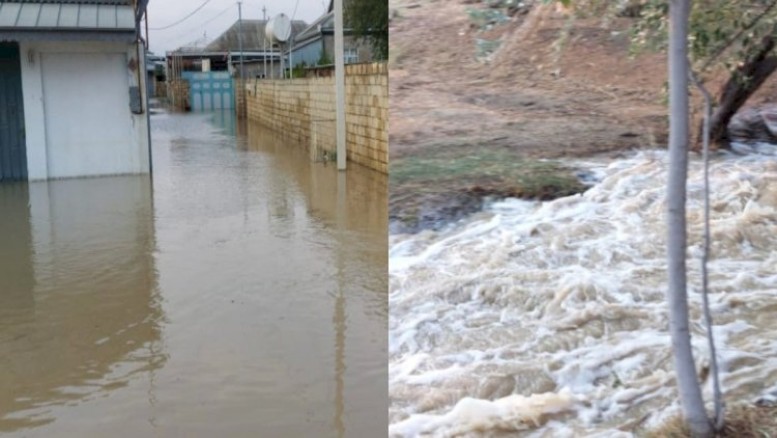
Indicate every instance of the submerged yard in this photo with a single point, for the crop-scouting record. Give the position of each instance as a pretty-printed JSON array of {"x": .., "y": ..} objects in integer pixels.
[{"x": 241, "y": 290}]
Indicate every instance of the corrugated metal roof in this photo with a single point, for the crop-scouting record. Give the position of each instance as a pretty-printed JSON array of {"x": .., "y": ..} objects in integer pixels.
[
  {"x": 67, "y": 15},
  {"x": 82, "y": 2},
  {"x": 253, "y": 36},
  {"x": 314, "y": 30},
  {"x": 324, "y": 22}
]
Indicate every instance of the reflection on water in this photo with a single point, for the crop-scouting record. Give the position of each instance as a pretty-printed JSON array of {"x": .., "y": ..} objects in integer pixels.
[
  {"x": 227, "y": 122},
  {"x": 77, "y": 292},
  {"x": 16, "y": 275},
  {"x": 244, "y": 293}
]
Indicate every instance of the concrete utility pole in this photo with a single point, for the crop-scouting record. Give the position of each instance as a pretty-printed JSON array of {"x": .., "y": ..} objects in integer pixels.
[
  {"x": 340, "y": 86},
  {"x": 264, "y": 41},
  {"x": 240, "y": 38},
  {"x": 291, "y": 47}
]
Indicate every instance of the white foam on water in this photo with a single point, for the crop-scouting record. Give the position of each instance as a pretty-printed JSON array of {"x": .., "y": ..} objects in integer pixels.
[
  {"x": 550, "y": 319},
  {"x": 471, "y": 415}
]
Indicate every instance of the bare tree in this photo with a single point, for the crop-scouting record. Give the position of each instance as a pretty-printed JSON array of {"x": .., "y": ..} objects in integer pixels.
[{"x": 677, "y": 294}]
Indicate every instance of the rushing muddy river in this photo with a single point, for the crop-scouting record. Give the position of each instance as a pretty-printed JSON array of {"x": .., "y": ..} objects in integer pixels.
[
  {"x": 240, "y": 292},
  {"x": 550, "y": 320}
]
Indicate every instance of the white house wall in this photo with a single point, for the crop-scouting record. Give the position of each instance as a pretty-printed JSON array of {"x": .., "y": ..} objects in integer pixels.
[{"x": 77, "y": 111}]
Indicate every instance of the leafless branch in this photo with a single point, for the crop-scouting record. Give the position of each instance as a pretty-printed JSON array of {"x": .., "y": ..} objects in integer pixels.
[{"x": 718, "y": 400}]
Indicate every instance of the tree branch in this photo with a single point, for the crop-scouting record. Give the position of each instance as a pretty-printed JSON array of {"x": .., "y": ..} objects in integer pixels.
[
  {"x": 738, "y": 35},
  {"x": 717, "y": 397}
]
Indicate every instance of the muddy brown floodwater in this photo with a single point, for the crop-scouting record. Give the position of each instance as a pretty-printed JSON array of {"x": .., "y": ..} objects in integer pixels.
[{"x": 241, "y": 292}]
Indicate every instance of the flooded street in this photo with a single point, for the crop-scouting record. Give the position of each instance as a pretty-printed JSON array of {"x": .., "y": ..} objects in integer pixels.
[
  {"x": 550, "y": 320},
  {"x": 241, "y": 292}
]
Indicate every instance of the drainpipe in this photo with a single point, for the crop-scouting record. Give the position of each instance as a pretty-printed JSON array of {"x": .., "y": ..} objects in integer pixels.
[
  {"x": 141, "y": 65},
  {"x": 144, "y": 102}
]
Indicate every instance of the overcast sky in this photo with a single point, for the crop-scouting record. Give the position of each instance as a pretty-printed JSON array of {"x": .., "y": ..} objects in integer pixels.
[{"x": 214, "y": 18}]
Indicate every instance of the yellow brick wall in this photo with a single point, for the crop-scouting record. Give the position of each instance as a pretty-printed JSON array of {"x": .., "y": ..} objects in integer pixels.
[
  {"x": 303, "y": 110},
  {"x": 240, "y": 97}
]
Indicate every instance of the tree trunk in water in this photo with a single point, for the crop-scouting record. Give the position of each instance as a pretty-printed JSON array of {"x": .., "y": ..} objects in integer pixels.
[
  {"x": 739, "y": 88},
  {"x": 677, "y": 296}
]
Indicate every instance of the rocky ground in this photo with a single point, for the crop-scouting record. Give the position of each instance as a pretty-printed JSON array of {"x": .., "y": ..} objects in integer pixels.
[{"x": 468, "y": 123}]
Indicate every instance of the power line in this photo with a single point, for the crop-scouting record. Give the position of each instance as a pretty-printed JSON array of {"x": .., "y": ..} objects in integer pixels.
[
  {"x": 184, "y": 18},
  {"x": 201, "y": 25},
  {"x": 196, "y": 29},
  {"x": 229, "y": 8}
]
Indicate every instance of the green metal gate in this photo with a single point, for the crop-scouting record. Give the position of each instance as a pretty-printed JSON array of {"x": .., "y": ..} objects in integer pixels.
[
  {"x": 13, "y": 151},
  {"x": 210, "y": 91}
]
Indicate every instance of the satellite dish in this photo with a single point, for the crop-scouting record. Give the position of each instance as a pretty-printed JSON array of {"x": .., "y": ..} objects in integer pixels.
[{"x": 278, "y": 30}]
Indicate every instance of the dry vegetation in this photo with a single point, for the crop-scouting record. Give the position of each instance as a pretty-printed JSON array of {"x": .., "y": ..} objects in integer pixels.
[{"x": 742, "y": 421}]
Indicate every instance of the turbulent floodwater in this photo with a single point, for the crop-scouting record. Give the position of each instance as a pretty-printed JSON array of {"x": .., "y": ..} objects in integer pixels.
[
  {"x": 241, "y": 292},
  {"x": 550, "y": 318}
]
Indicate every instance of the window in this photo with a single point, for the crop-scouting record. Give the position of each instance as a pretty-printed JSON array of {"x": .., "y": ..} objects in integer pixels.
[{"x": 350, "y": 56}]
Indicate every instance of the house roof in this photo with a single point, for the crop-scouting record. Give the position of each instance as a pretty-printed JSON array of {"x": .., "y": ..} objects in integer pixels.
[
  {"x": 253, "y": 36},
  {"x": 72, "y": 15},
  {"x": 323, "y": 22}
]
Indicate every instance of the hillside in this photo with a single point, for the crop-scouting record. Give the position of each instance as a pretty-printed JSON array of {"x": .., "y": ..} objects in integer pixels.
[{"x": 585, "y": 98}]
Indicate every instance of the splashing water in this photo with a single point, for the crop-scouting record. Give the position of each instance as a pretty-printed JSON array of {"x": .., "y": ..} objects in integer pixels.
[{"x": 550, "y": 319}]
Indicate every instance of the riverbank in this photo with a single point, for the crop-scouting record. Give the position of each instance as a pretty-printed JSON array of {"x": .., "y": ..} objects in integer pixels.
[
  {"x": 549, "y": 318},
  {"x": 511, "y": 92},
  {"x": 468, "y": 126},
  {"x": 447, "y": 182}
]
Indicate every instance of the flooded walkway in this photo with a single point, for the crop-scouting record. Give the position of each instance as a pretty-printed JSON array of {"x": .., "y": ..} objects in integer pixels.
[{"x": 241, "y": 292}]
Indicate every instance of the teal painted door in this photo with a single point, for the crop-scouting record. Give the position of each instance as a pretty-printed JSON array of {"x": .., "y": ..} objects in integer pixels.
[
  {"x": 13, "y": 151},
  {"x": 210, "y": 90}
]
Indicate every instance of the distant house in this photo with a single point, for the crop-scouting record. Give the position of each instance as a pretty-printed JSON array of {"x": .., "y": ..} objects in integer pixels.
[
  {"x": 208, "y": 71},
  {"x": 316, "y": 44},
  {"x": 257, "y": 52},
  {"x": 72, "y": 83},
  {"x": 223, "y": 53}
]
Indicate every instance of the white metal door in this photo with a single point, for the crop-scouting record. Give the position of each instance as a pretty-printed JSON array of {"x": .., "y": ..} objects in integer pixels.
[{"x": 88, "y": 120}]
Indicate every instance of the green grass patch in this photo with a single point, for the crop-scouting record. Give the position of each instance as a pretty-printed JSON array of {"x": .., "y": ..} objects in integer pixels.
[{"x": 497, "y": 172}]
